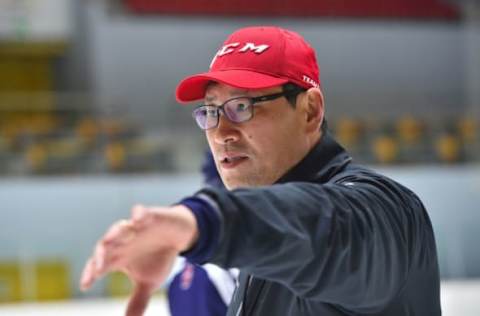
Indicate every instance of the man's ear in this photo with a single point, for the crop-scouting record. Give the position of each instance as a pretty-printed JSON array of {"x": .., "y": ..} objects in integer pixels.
[{"x": 314, "y": 109}]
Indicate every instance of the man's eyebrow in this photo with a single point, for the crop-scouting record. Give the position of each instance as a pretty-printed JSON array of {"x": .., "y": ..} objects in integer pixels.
[
  {"x": 234, "y": 93},
  {"x": 209, "y": 99}
]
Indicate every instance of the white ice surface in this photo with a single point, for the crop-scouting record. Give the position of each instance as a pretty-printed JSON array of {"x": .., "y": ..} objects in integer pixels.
[{"x": 459, "y": 298}]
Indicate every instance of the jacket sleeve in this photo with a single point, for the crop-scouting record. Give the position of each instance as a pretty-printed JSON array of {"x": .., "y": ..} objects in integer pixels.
[{"x": 349, "y": 243}]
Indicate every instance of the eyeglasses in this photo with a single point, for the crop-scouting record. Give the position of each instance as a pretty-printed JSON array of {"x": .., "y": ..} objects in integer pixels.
[{"x": 237, "y": 110}]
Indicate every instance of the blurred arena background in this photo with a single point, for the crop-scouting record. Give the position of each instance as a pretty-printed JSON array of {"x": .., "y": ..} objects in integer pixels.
[{"x": 89, "y": 124}]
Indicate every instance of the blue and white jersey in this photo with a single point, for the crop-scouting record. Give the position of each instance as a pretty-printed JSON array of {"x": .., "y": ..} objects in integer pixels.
[{"x": 201, "y": 290}]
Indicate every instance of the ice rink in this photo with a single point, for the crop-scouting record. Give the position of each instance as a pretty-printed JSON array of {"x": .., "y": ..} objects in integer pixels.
[{"x": 459, "y": 298}]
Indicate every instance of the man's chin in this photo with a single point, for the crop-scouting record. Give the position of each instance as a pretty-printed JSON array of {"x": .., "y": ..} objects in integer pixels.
[
  {"x": 232, "y": 185},
  {"x": 232, "y": 182}
]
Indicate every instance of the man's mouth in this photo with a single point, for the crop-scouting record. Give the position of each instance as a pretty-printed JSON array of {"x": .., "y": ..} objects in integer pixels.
[{"x": 231, "y": 161}]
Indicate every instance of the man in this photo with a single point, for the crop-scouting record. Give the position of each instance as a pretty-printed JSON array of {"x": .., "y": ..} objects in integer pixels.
[{"x": 312, "y": 232}]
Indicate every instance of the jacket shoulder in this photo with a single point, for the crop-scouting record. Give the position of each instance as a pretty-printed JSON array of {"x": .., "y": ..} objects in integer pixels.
[{"x": 355, "y": 174}]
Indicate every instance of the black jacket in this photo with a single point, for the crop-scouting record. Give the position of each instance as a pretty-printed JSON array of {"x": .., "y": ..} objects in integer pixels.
[{"x": 330, "y": 238}]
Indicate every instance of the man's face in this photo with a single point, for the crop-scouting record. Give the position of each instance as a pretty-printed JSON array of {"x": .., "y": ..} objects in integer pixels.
[{"x": 259, "y": 151}]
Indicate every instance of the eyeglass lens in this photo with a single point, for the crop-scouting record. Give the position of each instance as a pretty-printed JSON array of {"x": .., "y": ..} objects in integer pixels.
[{"x": 236, "y": 110}]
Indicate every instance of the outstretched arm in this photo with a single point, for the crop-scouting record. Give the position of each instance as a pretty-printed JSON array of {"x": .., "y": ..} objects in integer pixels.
[{"x": 144, "y": 248}]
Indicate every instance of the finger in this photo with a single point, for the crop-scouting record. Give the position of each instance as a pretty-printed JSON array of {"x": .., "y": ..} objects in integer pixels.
[
  {"x": 106, "y": 250},
  {"x": 87, "y": 275},
  {"x": 122, "y": 231},
  {"x": 139, "y": 300},
  {"x": 90, "y": 274},
  {"x": 138, "y": 212},
  {"x": 99, "y": 258},
  {"x": 106, "y": 258}
]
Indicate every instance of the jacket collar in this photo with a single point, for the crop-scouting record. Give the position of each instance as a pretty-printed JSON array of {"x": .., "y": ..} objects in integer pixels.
[{"x": 325, "y": 160}]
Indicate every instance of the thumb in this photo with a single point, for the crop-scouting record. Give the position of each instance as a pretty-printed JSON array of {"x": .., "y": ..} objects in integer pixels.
[
  {"x": 139, "y": 300},
  {"x": 138, "y": 212}
]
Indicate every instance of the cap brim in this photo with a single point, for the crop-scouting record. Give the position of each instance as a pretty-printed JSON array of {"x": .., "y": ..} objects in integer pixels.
[{"x": 193, "y": 88}]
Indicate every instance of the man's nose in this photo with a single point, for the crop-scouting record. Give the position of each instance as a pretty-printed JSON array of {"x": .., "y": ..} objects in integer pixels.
[{"x": 226, "y": 131}]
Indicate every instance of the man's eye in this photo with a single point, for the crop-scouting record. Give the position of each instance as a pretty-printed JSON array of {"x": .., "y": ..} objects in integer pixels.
[
  {"x": 211, "y": 112},
  {"x": 241, "y": 107}
]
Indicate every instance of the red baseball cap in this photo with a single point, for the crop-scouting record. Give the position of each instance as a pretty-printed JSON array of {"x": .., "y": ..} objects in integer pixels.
[{"x": 256, "y": 58}]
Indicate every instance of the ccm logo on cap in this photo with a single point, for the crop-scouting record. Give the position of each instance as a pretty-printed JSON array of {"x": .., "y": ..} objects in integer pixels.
[{"x": 232, "y": 47}]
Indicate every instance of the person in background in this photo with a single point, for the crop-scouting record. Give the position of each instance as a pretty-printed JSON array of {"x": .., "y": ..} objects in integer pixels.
[{"x": 202, "y": 290}]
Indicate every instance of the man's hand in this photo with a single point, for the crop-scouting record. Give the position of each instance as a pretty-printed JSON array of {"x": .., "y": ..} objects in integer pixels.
[{"x": 144, "y": 248}]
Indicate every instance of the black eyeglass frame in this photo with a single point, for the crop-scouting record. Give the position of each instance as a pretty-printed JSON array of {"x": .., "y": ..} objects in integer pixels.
[{"x": 253, "y": 101}]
